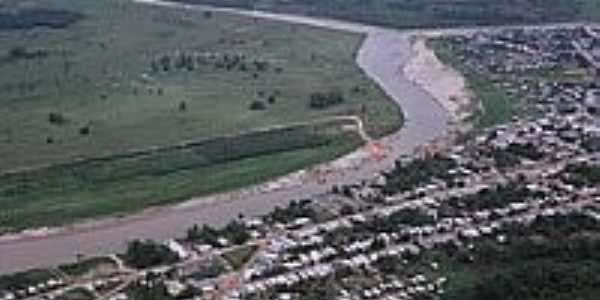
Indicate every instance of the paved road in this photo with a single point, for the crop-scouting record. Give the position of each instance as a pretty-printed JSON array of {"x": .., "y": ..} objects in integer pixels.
[{"x": 382, "y": 57}]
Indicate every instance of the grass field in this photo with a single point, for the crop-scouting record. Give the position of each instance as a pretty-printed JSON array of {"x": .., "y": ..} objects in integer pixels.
[
  {"x": 122, "y": 184},
  {"x": 497, "y": 106},
  {"x": 95, "y": 122},
  {"x": 97, "y": 74}
]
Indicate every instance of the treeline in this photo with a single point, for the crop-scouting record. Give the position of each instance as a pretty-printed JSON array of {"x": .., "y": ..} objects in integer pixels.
[
  {"x": 190, "y": 61},
  {"x": 420, "y": 171},
  {"x": 234, "y": 233},
  {"x": 37, "y": 17},
  {"x": 429, "y": 13}
]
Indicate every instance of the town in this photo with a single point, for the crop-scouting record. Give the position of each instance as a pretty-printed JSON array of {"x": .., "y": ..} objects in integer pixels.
[{"x": 395, "y": 236}]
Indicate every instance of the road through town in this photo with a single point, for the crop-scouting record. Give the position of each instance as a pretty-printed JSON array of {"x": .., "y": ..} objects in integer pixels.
[{"x": 382, "y": 56}]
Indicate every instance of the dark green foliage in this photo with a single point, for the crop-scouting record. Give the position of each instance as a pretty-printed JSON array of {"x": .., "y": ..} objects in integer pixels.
[
  {"x": 21, "y": 53},
  {"x": 320, "y": 100},
  {"x": 529, "y": 151},
  {"x": 182, "y": 106},
  {"x": 417, "y": 172},
  {"x": 84, "y": 130},
  {"x": 239, "y": 256},
  {"x": 235, "y": 233},
  {"x": 295, "y": 210},
  {"x": 158, "y": 292},
  {"x": 429, "y": 13},
  {"x": 496, "y": 197},
  {"x": 154, "y": 162},
  {"x": 145, "y": 254},
  {"x": 56, "y": 118},
  {"x": 24, "y": 279},
  {"x": 505, "y": 159},
  {"x": 258, "y": 105},
  {"x": 37, "y": 17},
  {"x": 583, "y": 174},
  {"x": 553, "y": 258}
]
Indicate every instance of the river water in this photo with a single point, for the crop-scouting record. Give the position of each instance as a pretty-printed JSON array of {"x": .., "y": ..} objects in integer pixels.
[{"x": 382, "y": 57}]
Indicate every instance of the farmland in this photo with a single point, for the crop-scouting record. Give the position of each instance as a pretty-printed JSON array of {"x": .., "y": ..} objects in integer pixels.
[{"x": 110, "y": 107}]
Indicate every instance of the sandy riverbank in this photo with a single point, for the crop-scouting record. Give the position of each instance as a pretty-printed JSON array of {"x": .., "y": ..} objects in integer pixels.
[{"x": 444, "y": 83}]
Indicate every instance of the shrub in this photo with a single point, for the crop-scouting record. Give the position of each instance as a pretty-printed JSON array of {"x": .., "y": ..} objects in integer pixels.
[
  {"x": 319, "y": 100},
  {"x": 258, "y": 105},
  {"x": 84, "y": 130},
  {"x": 145, "y": 254},
  {"x": 56, "y": 118}
]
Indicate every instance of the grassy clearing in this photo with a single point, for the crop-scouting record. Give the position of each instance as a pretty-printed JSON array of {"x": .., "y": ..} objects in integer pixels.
[
  {"x": 94, "y": 128},
  {"x": 121, "y": 184},
  {"x": 239, "y": 256},
  {"x": 497, "y": 106},
  {"x": 97, "y": 74}
]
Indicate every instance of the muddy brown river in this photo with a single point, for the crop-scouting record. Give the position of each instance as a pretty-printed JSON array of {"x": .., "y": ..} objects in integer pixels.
[{"x": 382, "y": 57}]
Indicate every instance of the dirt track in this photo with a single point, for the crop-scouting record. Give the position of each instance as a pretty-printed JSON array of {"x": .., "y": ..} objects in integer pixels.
[{"x": 382, "y": 56}]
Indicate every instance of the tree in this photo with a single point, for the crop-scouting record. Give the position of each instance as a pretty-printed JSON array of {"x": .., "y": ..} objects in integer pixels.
[
  {"x": 145, "y": 254},
  {"x": 84, "y": 130},
  {"x": 258, "y": 105},
  {"x": 56, "y": 118},
  {"x": 182, "y": 106}
]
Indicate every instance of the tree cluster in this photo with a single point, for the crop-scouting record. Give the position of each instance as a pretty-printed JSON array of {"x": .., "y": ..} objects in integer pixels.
[
  {"x": 144, "y": 254},
  {"x": 324, "y": 100}
]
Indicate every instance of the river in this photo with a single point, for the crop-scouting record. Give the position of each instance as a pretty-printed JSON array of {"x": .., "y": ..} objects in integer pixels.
[{"x": 382, "y": 56}]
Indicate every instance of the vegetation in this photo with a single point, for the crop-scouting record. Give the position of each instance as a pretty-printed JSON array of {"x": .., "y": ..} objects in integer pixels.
[
  {"x": 429, "y": 13},
  {"x": 157, "y": 292},
  {"x": 495, "y": 197},
  {"x": 94, "y": 73},
  {"x": 295, "y": 210},
  {"x": 234, "y": 234},
  {"x": 96, "y": 113},
  {"x": 131, "y": 181},
  {"x": 238, "y": 257},
  {"x": 320, "y": 100},
  {"x": 28, "y": 18},
  {"x": 553, "y": 258},
  {"x": 25, "y": 279},
  {"x": 145, "y": 254},
  {"x": 77, "y": 294},
  {"x": 583, "y": 174},
  {"x": 497, "y": 107},
  {"x": 87, "y": 266},
  {"x": 417, "y": 172}
]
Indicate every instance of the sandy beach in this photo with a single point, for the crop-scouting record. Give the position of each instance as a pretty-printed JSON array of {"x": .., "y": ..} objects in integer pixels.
[{"x": 444, "y": 83}]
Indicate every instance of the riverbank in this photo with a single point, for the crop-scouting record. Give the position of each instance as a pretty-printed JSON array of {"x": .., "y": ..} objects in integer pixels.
[
  {"x": 445, "y": 84},
  {"x": 381, "y": 56}
]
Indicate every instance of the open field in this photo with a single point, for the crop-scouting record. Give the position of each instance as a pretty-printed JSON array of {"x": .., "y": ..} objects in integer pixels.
[
  {"x": 90, "y": 105},
  {"x": 97, "y": 74},
  {"x": 429, "y": 13}
]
